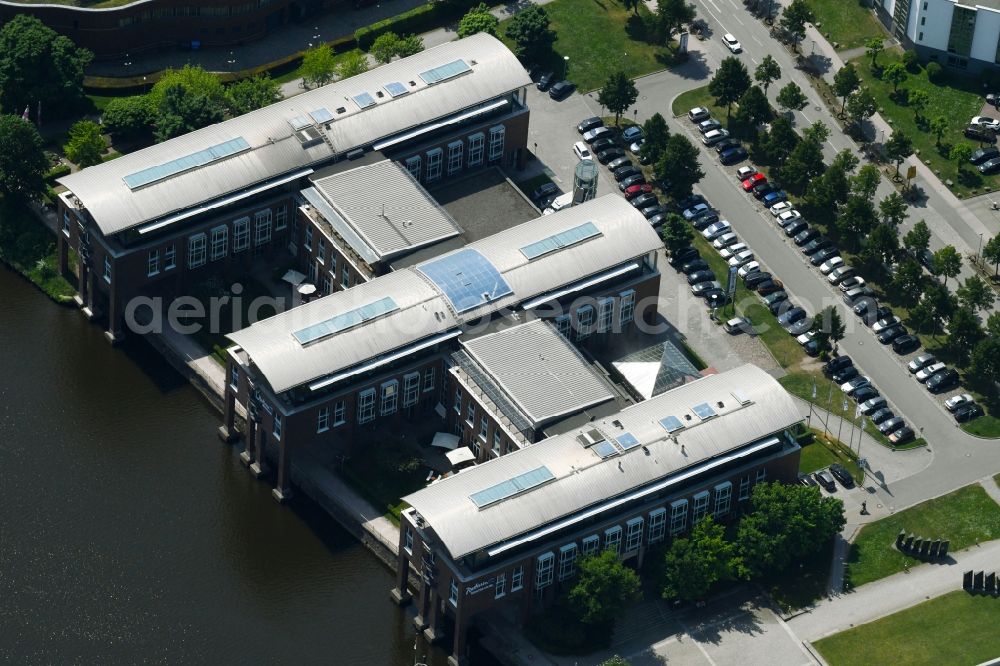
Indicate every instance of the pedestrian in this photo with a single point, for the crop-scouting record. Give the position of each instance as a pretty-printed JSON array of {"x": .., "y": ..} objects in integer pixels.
[{"x": 864, "y": 508}]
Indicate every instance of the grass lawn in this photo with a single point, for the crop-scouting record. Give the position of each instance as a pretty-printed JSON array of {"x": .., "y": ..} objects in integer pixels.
[
  {"x": 29, "y": 248},
  {"x": 824, "y": 451},
  {"x": 965, "y": 517},
  {"x": 984, "y": 426},
  {"x": 802, "y": 584},
  {"x": 697, "y": 97},
  {"x": 600, "y": 37},
  {"x": 958, "y": 101},
  {"x": 847, "y": 23},
  {"x": 956, "y": 628}
]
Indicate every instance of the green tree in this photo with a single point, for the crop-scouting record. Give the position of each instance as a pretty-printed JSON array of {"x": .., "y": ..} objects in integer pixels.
[
  {"x": 911, "y": 61},
  {"x": 947, "y": 262},
  {"x": 898, "y": 147},
  {"x": 873, "y": 47},
  {"x": 615, "y": 661},
  {"x": 655, "y": 135},
  {"x": 829, "y": 326},
  {"x": 753, "y": 110},
  {"x": 767, "y": 72},
  {"x": 908, "y": 282},
  {"x": 478, "y": 19},
  {"x": 731, "y": 80},
  {"x": 922, "y": 317},
  {"x": 918, "y": 238},
  {"x": 960, "y": 153},
  {"x": 984, "y": 366},
  {"x": 882, "y": 245},
  {"x": 860, "y": 107},
  {"x": 938, "y": 127},
  {"x": 845, "y": 82},
  {"x": 964, "y": 332},
  {"x": 318, "y": 66},
  {"x": 680, "y": 160},
  {"x": 247, "y": 95},
  {"x": 918, "y": 101},
  {"x": 408, "y": 45},
  {"x": 892, "y": 210},
  {"x": 677, "y": 233},
  {"x": 781, "y": 140},
  {"x": 804, "y": 163},
  {"x": 941, "y": 302},
  {"x": 993, "y": 325},
  {"x": 818, "y": 132},
  {"x": 128, "y": 117},
  {"x": 793, "y": 20},
  {"x": 632, "y": 5},
  {"x": 696, "y": 563},
  {"x": 22, "y": 159},
  {"x": 895, "y": 74},
  {"x": 352, "y": 64},
  {"x": 39, "y": 65},
  {"x": 786, "y": 524},
  {"x": 86, "y": 144},
  {"x": 975, "y": 294},
  {"x": 857, "y": 219},
  {"x": 991, "y": 253},
  {"x": 670, "y": 16},
  {"x": 824, "y": 195},
  {"x": 529, "y": 30},
  {"x": 183, "y": 110},
  {"x": 195, "y": 81},
  {"x": 791, "y": 97},
  {"x": 865, "y": 182},
  {"x": 604, "y": 588},
  {"x": 385, "y": 46},
  {"x": 618, "y": 94}
]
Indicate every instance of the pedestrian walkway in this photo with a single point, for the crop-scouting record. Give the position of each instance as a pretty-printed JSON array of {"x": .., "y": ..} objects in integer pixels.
[{"x": 990, "y": 486}]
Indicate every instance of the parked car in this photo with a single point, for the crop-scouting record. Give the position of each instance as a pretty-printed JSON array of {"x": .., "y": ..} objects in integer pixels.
[
  {"x": 726, "y": 144},
  {"x": 774, "y": 197},
  {"x": 738, "y": 325},
  {"x": 853, "y": 293},
  {"x": 830, "y": 264},
  {"x": 713, "y": 137},
  {"x": 881, "y": 415},
  {"x": 840, "y": 376},
  {"x": 544, "y": 190},
  {"x": 866, "y": 393},
  {"x": 805, "y": 236},
  {"x": 733, "y": 155},
  {"x": 581, "y": 150},
  {"x": 716, "y": 298},
  {"x": 979, "y": 133},
  {"x": 752, "y": 180},
  {"x": 841, "y": 474},
  {"x": 891, "y": 333},
  {"x": 702, "y": 221},
  {"x": 815, "y": 245},
  {"x": 956, "y": 401},
  {"x": 656, "y": 210},
  {"x": 545, "y": 80},
  {"x": 636, "y": 179},
  {"x": 698, "y": 114},
  {"x": 702, "y": 288},
  {"x": 681, "y": 257},
  {"x": 787, "y": 217},
  {"x": 942, "y": 381},
  {"x": 760, "y": 189},
  {"x": 987, "y": 122},
  {"x": 561, "y": 90},
  {"x": 855, "y": 283},
  {"x": 743, "y": 257},
  {"x": 588, "y": 124},
  {"x": 644, "y": 200},
  {"x": 632, "y": 133},
  {"x": 853, "y": 385},
  {"x": 872, "y": 405},
  {"x": 754, "y": 279},
  {"x": 990, "y": 166},
  {"x": 776, "y": 298},
  {"x": 906, "y": 344},
  {"x": 792, "y": 316},
  {"x": 839, "y": 274},
  {"x": 884, "y": 323},
  {"x": 725, "y": 240},
  {"x": 780, "y": 207},
  {"x": 826, "y": 480},
  {"x": 602, "y": 144},
  {"x": 702, "y": 275},
  {"x": 696, "y": 264},
  {"x": 902, "y": 435},
  {"x": 635, "y": 147},
  {"x": 611, "y": 155},
  {"x": 809, "y": 343},
  {"x": 707, "y": 126},
  {"x": 887, "y": 426},
  {"x": 968, "y": 412},
  {"x": 984, "y": 154},
  {"x": 715, "y": 230},
  {"x": 745, "y": 172},
  {"x": 795, "y": 228},
  {"x": 624, "y": 172},
  {"x": 691, "y": 202},
  {"x": 823, "y": 256},
  {"x": 695, "y": 210},
  {"x": 921, "y": 362},
  {"x": 728, "y": 253},
  {"x": 632, "y": 191},
  {"x": 929, "y": 371},
  {"x": 770, "y": 286},
  {"x": 836, "y": 364},
  {"x": 747, "y": 268}
]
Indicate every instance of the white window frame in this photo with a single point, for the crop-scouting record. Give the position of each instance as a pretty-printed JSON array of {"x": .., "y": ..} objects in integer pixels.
[
  {"x": 153, "y": 263},
  {"x": 327, "y": 288},
  {"x": 745, "y": 488},
  {"x": 605, "y": 314},
  {"x": 429, "y": 379},
  {"x": 517, "y": 578},
  {"x": 220, "y": 243},
  {"x": 107, "y": 269},
  {"x": 476, "y": 448},
  {"x": 435, "y": 159},
  {"x": 345, "y": 276},
  {"x": 322, "y": 420},
  {"x": 470, "y": 414},
  {"x": 241, "y": 234},
  {"x": 657, "y": 525},
  {"x": 453, "y": 593},
  {"x": 197, "y": 250},
  {"x": 413, "y": 165},
  {"x": 567, "y": 561},
  {"x": 339, "y": 413},
  {"x": 633, "y": 534},
  {"x": 262, "y": 227},
  {"x": 169, "y": 258},
  {"x": 307, "y": 241},
  {"x": 484, "y": 427},
  {"x": 544, "y": 570},
  {"x": 613, "y": 538},
  {"x": 678, "y": 516},
  {"x": 458, "y": 401},
  {"x": 366, "y": 406},
  {"x": 584, "y": 322},
  {"x": 723, "y": 499},
  {"x": 389, "y": 399},
  {"x": 408, "y": 540},
  {"x": 700, "y": 510},
  {"x": 626, "y": 308},
  {"x": 564, "y": 325},
  {"x": 281, "y": 217},
  {"x": 761, "y": 476},
  {"x": 500, "y": 585},
  {"x": 590, "y": 545},
  {"x": 455, "y": 157},
  {"x": 411, "y": 388},
  {"x": 321, "y": 251},
  {"x": 497, "y": 438},
  {"x": 276, "y": 428},
  {"x": 65, "y": 224},
  {"x": 333, "y": 262},
  {"x": 234, "y": 378},
  {"x": 497, "y": 133},
  {"x": 477, "y": 143}
]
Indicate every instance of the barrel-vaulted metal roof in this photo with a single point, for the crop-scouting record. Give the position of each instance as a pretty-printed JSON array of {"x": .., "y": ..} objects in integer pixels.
[
  {"x": 425, "y": 308},
  {"x": 378, "y": 104},
  {"x": 753, "y": 407}
]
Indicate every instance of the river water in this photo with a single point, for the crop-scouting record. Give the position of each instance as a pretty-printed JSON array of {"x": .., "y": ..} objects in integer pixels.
[{"x": 129, "y": 533}]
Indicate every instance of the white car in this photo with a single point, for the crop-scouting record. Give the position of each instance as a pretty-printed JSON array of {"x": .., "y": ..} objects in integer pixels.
[
  {"x": 781, "y": 207},
  {"x": 872, "y": 405},
  {"x": 560, "y": 202},
  {"x": 581, "y": 150},
  {"x": 732, "y": 43},
  {"x": 921, "y": 362},
  {"x": 853, "y": 385},
  {"x": 716, "y": 230},
  {"x": 725, "y": 240},
  {"x": 930, "y": 371},
  {"x": 987, "y": 122},
  {"x": 714, "y": 137},
  {"x": 741, "y": 258},
  {"x": 788, "y": 216},
  {"x": 956, "y": 401},
  {"x": 883, "y": 324},
  {"x": 698, "y": 114},
  {"x": 840, "y": 274},
  {"x": 748, "y": 268},
  {"x": 830, "y": 264},
  {"x": 745, "y": 172},
  {"x": 732, "y": 250},
  {"x": 637, "y": 146},
  {"x": 596, "y": 133}
]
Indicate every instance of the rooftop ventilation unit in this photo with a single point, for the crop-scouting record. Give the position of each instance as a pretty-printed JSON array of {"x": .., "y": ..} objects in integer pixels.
[{"x": 309, "y": 137}]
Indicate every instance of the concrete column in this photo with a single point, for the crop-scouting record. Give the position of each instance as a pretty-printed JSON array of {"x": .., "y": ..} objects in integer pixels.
[
  {"x": 248, "y": 453},
  {"x": 401, "y": 593},
  {"x": 115, "y": 332},
  {"x": 227, "y": 431},
  {"x": 81, "y": 297},
  {"x": 434, "y": 631},
  {"x": 423, "y": 605},
  {"x": 62, "y": 243},
  {"x": 459, "y": 650},
  {"x": 259, "y": 467},
  {"x": 283, "y": 489}
]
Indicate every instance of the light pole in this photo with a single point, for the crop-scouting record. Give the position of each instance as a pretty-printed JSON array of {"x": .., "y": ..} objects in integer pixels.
[
  {"x": 979, "y": 252},
  {"x": 128, "y": 63},
  {"x": 231, "y": 62},
  {"x": 315, "y": 36},
  {"x": 536, "y": 150},
  {"x": 566, "y": 68}
]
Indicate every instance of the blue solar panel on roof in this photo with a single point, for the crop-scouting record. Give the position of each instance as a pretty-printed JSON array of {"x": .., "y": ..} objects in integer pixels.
[
  {"x": 181, "y": 164},
  {"x": 511, "y": 487},
  {"x": 446, "y": 71},
  {"x": 364, "y": 100},
  {"x": 467, "y": 278},
  {"x": 627, "y": 441},
  {"x": 671, "y": 423},
  {"x": 396, "y": 89},
  {"x": 321, "y": 115},
  {"x": 703, "y": 411},
  {"x": 345, "y": 320},
  {"x": 605, "y": 449},
  {"x": 560, "y": 240}
]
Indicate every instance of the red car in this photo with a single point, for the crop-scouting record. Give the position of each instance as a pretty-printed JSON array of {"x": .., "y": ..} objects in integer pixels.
[
  {"x": 633, "y": 191},
  {"x": 753, "y": 180}
]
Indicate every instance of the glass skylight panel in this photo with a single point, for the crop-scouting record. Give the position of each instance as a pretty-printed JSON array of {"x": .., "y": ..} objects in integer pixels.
[
  {"x": 627, "y": 441},
  {"x": 511, "y": 487},
  {"x": 467, "y": 278},
  {"x": 560, "y": 240},
  {"x": 396, "y": 89},
  {"x": 300, "y": 122},
  {"x": 703, "y": 411},
  {"x": 671, "y": 423},
  {"x": 741, "y": 396},
  {"x": 364, "y": 100},
  {"x": 321, "y": 115},
  {"x": 345, "y": 320},
  {"x": 605, "y": 449},
  {"x": 446, "y": 71},
  {"x": 186, "y": 163}
]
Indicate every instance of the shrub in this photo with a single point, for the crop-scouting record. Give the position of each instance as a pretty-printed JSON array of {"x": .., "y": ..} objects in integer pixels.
[
  {"x": 417, "y": 20},
  {"x": 911, "y": 61},
  {"x": 934, "y": 72}
]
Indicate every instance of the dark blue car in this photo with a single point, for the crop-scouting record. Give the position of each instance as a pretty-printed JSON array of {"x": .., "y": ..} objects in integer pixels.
[{"x": 774, "y": 197}]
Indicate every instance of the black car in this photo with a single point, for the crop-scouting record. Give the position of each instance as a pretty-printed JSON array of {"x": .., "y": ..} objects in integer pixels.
[
  {"x": 866, "y": 393},
  {"x": 968, "y": 412},
  {"x": 760, "y": 189},
  {"x": 823, "y": 255},
  {"x": 716, "y": 298},
  {"x": 726, "y": 144},
  {"x": 795, "y": 228},
  {"x": 778, "y": 306},
  {"x": 984, "y": 155},
  {"x": 619, "y": 162},
  {"x": 755, "y": 278},
  {"x": 611, "y": 155},
  {"x": 602, "y": 144},
  {"x": 644, "y": 200},
  {"x": 887, "y": 335},
  {"x": 990, "y": 166},
  {"x": 702, "y": 221},
  {"x": 544, "y": 190},
  {"x": 837, "y": 363},
  {"x": 769, "y": 287},
  {"x": 826, "y": 480},
  {"x": 902, "y": 435},
  {"x": 815, "y": 245},
  {"x": 880, "y": 415},
  {"x": 698, "y": 264},
  {"x": 697, "y": 276},
  {"x": 845, "y": 374},
  {"x": 624, "y": 172},
  {"x": 691, "y": 201},
  {"x": 842, "y": 475},
  {"x": 683, "y": 256},
  {"x": 657, "y": 219},
  {"x": 655, "y": 210},
  {"x": 791, "y": 316},
  {"x": 906, "y": 344},
  {"x": 942, "y": 381},
  {"x": 979, "y": 133},
  {"x": 588, "y": 124},
  {"x": 635, "y": 179},
  {"x": 733, "y": 155},
  {"x": 805, "y": 236},
  {"x": 545, "y": 80}
]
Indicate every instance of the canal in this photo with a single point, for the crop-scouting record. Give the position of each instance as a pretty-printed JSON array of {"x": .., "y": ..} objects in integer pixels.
[{"x": 129, "y": 533}]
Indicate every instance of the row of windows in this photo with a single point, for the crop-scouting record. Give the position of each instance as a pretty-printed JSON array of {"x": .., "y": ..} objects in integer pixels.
[
  {"x": 435, "y": 165},
  {"x": 588, "y": 321},
  {"x": 192, "y": 10},
  {"x": 202, "y": 249},
  {"x": 388, "y": 400},
  {"x": 482, "y": 434},
  {"x": 499, "y": 583}
]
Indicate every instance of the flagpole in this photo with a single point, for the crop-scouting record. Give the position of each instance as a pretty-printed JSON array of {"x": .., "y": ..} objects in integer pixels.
[
  {"x": 857, "y": 413},
  {"x": 809, "y": 420},
  {"x": 829, "y": 411},
  {"x": 842, "y": 421}
]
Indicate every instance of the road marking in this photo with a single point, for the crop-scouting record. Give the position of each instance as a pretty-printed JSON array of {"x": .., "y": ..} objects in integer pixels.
[
  {"x": 806, "y": 117},
  {"x": 754, "y": 37},
  {"x": 740, "y": 21},
  {"x": 754, "y": 60}
]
